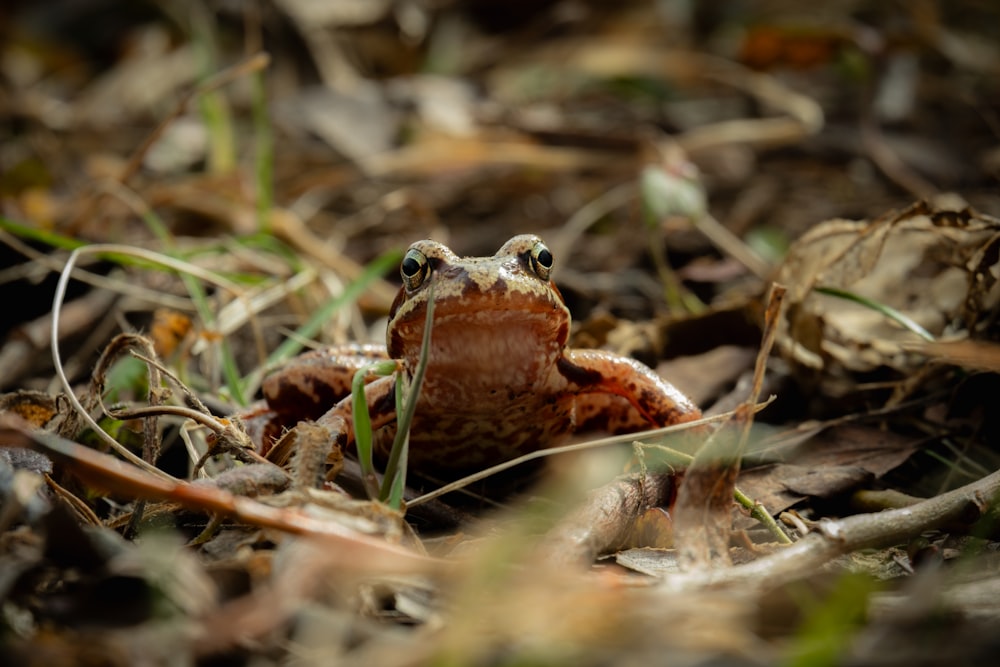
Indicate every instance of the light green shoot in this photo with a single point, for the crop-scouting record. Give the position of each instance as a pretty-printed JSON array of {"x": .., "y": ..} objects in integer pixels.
[
  {"x": 668, "y": 193},
  {"x": 394, "y": 480},
  {"x": 363, "y": 435}
]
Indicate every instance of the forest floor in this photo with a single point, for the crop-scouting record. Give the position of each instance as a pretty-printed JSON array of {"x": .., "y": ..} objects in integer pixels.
[{"x": 792, "y": 214}]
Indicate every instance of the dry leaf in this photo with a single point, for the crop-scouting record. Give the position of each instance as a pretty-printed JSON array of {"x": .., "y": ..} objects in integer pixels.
[
  {"x": 833, "y": 461},
  {"x": 934, "y": 266}
]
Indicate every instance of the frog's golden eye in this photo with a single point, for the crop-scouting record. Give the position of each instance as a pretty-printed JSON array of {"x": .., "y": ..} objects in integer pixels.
[
  {"x": 414, "y": 269},
  {"x": 541, "y": 260}
]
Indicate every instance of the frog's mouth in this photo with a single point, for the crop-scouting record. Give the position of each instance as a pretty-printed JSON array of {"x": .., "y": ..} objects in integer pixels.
[
  {"x": 480, "y": 318},
  {"x": 478, "y": 356},
  {"x": 485, "y": 340}
]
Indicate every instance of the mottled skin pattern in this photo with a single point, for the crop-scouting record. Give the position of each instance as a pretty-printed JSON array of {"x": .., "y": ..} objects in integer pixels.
[{"x": 500, "y": 381}]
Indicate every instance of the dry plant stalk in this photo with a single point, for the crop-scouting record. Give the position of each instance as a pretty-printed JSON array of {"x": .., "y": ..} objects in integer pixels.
[{"x": 703, "y": 513}]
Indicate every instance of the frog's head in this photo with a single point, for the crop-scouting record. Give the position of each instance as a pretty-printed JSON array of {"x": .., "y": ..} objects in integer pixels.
[{"x": 487, "y": 310}]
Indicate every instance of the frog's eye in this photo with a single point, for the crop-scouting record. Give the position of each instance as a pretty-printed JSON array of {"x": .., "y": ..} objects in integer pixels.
[
  {"x": 414, "y": 269},
  {"x": 541, "y": 260}
]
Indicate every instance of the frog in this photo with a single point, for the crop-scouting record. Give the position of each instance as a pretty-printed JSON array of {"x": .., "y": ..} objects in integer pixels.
[{"x": 500, "y": 380}]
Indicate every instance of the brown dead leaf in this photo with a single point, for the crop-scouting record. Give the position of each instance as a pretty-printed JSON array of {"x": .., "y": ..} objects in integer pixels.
[
  {"x": 822, "y": 482},
  {"x": 168, "y": 330},
  {"x": 831, "y": 462},
  {"x": 653, "y": 528},
  {"x": 35, "y": 407},
  {"x": 780, "y": 486},
  {"x": 703, "y": 512},
  {"x": 703, "y": 377},
  {"x": 876, "y": 450},
  {"x": 935, "y": 266}
]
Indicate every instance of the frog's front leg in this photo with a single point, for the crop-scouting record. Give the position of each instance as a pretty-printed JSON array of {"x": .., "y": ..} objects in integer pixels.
[
  {"x": 308, "y": 385},
  {"x": 335, "y": 428},
  {"x": 599, "y": 377}
]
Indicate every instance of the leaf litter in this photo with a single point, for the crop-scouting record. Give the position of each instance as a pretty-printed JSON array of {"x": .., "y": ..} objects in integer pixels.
[{"x": 396, "y": 121}]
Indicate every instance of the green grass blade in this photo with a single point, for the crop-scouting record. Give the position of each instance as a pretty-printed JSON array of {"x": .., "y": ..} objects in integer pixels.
[
  {"x": 230, "y": 370},
  {"x": 395, "y": 470},
  {"x": 375, "y": 269},
  {"x": 212, "y": 104},
  {"x": 398, "y": 484},
  {"x": 363, "y": 435},
  {"x": 886, "y": 310},
  {"x": 31, "y": 232}
]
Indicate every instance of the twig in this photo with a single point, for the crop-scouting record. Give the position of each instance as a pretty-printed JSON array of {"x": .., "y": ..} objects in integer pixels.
[
  {"x": 111, "y": 248},
  {"x": 832, "y": 538},
  {"x": 576, "y": 447},
  {"x": 804, "y": 114},
  {"x": 882, "y": 154},
  {"x": 732, "y": 245},
  {"x": 68, "y": 389},
  {"x": 589, "y": 214}
]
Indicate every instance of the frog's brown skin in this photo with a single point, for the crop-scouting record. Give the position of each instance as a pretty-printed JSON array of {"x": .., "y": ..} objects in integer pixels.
[{"x": 500, "y": 382}]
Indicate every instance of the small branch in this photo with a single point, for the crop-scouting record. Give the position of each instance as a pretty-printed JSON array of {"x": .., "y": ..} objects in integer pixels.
[
  {"x": 833, "y": 538},
  {"x": 627, "y": 438},
  {"x": 68, "y": 389}
]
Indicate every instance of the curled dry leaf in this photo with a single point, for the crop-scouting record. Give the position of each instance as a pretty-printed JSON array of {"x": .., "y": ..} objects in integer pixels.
[
  {"x": 35, "y": 407},
  {"x": 936, "y": 267}
]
